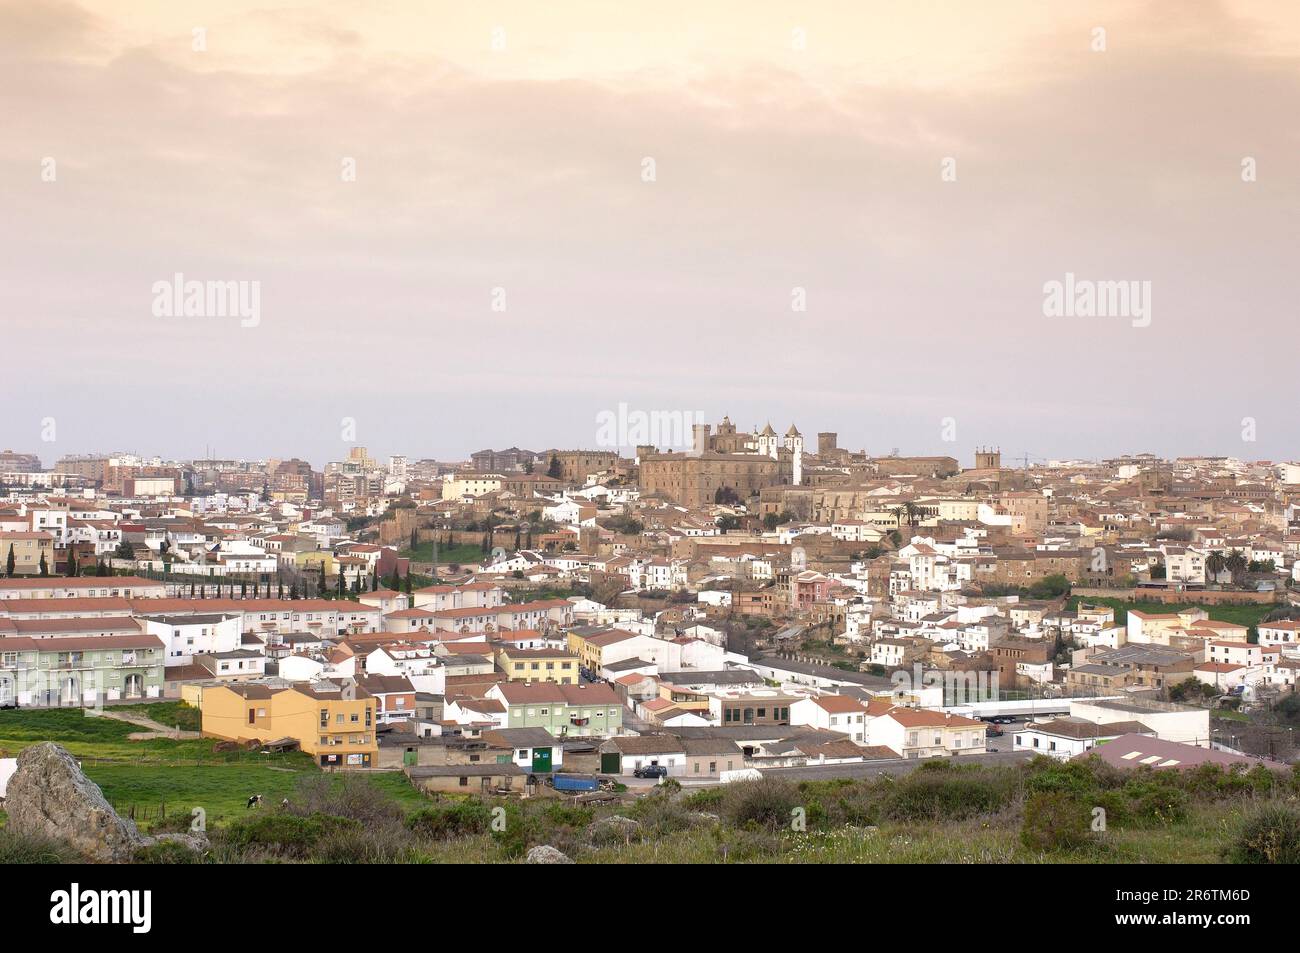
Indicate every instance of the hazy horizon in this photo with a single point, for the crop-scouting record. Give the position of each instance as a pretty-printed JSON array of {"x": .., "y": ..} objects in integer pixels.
[{"x": 504, "y": 147}]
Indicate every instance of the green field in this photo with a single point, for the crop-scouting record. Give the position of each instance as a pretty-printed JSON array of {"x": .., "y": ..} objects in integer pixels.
[
  {"x": 106, "y": 739},
  {"x": 160, "y": 777},
  {"x": 148, "y": 792},
  {"x": 1247, "y": 615},
  {"x": 173, "y": 714},
  {"x": 461, "y": 554}
]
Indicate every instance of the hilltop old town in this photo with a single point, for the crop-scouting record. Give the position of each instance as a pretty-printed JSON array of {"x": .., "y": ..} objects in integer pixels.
[{"x": 760, "y": 602}]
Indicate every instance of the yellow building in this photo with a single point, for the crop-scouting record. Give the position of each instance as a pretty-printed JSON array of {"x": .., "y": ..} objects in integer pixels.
[
  {"x": 538, "y": 665},
  {"x": 683, "y": 698},
  {"x": 27, "y": 549},
  {"x": 314, "y": 559},
  {"x": 335, "y": 725},
  {"x": 590, "y": 649}
]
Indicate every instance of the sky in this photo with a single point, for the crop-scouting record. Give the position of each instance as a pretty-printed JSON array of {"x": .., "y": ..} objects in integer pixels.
[{"x": 483, "y": 225}]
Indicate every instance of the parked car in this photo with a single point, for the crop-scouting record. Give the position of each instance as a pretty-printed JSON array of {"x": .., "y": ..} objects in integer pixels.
[
  {"x": 993, "y": 732},
  {"x": 651, "y": 771}
]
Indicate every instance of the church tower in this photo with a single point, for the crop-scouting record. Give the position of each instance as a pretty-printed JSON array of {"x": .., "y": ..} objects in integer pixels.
[{"x": 794, "y": 443}]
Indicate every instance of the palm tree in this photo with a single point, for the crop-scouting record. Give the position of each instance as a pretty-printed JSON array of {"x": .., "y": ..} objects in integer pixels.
[
  {"x": 1237, "y": 564},
  {"x": 1215, "y": 563}
]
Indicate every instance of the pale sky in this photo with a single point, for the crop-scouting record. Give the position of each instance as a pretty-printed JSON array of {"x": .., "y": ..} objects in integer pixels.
[{"x": 794, "y": 145}]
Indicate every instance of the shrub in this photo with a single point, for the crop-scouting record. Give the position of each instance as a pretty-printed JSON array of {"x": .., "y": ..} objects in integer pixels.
[
  {"x": 660, "y": 815},
  {"x": 1055, "y": 820},
  {"x": 348, "y": 795},
  {"x": 1155, "y": 803},
  {"x": 762, "y": 803},
  {"x": 708, "y": 799},
  {"x": 166, "y": 852},
  {"x": 282, "y": 834},
  {"x": 949, "y": 795},
  {"x": 568, "y": 815},
  {"x": 1268, "y": 835},
  {"x": 1081, "y": 778},
  {"x": 462, "y": 819}
]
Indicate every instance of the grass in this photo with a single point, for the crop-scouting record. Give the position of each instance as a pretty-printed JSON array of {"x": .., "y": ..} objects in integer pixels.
[
  {"x": 222, "y": 791},
  {"x": 107, "y": 739},
  {"x": 161, "y": 777},
  {"x": 173, "y": 714},
  {"x": 1247, "y": 615},
  {"x": 462, "y": 554}
]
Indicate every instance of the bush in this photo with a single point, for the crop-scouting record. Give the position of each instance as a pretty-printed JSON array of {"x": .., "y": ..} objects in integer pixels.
[
  {"x": 166, "y": 852},
  {"x": 1055, "y": 821},
  {"x": 348, "y": 795},
  {"x": 705, "y": 799},
  {"x": 283, "y": 834},
  {"x": 1156, "y": 803},
  {"x": 661, "y": 815},
  {"x": 1268, "y": 835},
  {"x": 1082, "y": 778},
  {"x": 462, "y": 819},
  {"x": 949, "y": 794},
  {"x": 763, "y": 803}
]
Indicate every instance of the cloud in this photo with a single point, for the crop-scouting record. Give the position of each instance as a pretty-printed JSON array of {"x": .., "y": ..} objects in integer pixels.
[{"x": 772, "y": 172}]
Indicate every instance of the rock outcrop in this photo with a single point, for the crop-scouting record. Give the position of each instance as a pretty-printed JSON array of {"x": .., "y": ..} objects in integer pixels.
[
  {"x": 49, "y": 796},
  {"x": 546, "y": 855}
]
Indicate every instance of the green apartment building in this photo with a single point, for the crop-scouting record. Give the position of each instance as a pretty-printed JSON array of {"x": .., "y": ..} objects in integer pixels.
[
  {"x": 563, "y": 710},
  {"x": 80, "y": 671}
]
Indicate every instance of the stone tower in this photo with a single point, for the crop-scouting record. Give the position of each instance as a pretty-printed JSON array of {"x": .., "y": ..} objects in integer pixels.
[{"x": 988, "y": 459}]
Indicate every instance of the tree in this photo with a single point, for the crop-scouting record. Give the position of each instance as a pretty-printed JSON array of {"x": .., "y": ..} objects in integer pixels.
[
  {"x": 125, "y": 549},
  {"x": 554, "y": 471},
  {"x": 45, "y": 567},
  {"x": 101, "y": 568},
  {"x": 1237, "y": 564},
  {"x": 10, "y": 562},
  {"x": 1215, "y": 563},
  {"x": 72, "y": 563}
]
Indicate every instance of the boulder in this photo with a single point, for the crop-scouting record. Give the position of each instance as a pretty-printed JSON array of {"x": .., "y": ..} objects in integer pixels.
[
  {"x": 546, "y": 855},
  {"x": 615, "y": 829},
  {"x": 48, "y": 796}
]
